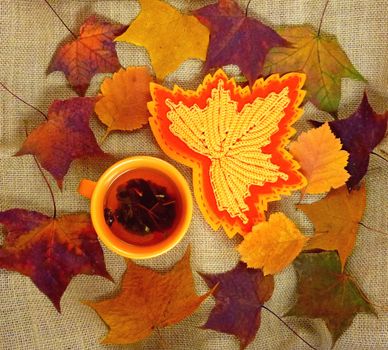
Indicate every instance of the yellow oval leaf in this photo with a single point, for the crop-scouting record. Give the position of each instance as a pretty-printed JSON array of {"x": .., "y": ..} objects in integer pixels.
[{"x": 272, "y": 245}]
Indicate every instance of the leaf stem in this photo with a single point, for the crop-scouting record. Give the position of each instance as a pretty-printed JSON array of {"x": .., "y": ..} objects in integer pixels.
[
  {"x": 162, "y": 340},
  {"x": 56, "y": 14},
  {"x": 380, "y": 156},
  {"x": 47, "y": 182},
  {"x": 25, "y": 102},
  {"x": 247, "y": 8},
  {"x": 323, "y": 15},
  {"x": 372, "y": 229},
  {"x": 282, "y": 321}
]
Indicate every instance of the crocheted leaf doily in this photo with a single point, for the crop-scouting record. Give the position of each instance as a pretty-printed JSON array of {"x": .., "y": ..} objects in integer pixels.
[{"x": 234, "y": 139}]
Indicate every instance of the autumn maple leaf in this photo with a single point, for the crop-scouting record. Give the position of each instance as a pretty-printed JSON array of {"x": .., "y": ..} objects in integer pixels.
[
  {"x": 64, "y": 137},
  {"x": 327, "y": 293},
  {"x": 51, "y": 251},
  {"x": 234, "y": 140},
  {"x": 92, "y": 52},
  {"x": 320, "y": 57},
  {"x": 169, "y": 36},
  {"x": 149, "y": 300},
  {"x": 236, "y": 38},
  {"x": 336, "y": 218},
  {"x": 240, "y": 294}
]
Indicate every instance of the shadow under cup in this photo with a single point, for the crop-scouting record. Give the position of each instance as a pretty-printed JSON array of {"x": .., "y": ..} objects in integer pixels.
[{"x": 157, "y": 171}]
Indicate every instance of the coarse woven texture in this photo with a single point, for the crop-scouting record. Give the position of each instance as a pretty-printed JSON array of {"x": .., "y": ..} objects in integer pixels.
[{"x": 29, "y": 36}]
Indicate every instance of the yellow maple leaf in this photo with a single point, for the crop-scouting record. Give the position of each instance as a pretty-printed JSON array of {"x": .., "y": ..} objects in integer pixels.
[
  {"x": 322, "y": 161},
  {"x": 123, "y": 105},
  {"x": 149, "y": 300},
  {"x": 234, "y": 139},
  {"x": 272, "y": 245},
  {"x": 320, "y": 57},
  {"x": 169, "y": 36},
  {"x": 336, "y": 218}
]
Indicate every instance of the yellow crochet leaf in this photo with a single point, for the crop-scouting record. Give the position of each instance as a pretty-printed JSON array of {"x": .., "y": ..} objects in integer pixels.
[
  {"x": 272, "y": 245},
  {"x": 234, "y": 139},
  {"x": 169, "y": 36},
  {"x": 322, "y": 161}
]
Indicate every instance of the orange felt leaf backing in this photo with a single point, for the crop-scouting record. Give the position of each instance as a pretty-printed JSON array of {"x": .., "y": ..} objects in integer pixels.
[{"x": 234, "y": 139}]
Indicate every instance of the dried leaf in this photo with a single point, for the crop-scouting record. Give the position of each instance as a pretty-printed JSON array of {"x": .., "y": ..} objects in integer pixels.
[
  {"x": 92, "y": 52},
  {"x": 169, "y": 36},
  {"x": 360, "y": 134},
  {"x": 319, "y": 56},
  {"x": 234, "y": 139},
  {"x": 272, "y": 245},
  {"x": 51, "y": 251},
  {"x": 322, "y": 161},
  {"x": 336, "y": 219},
  {"x": 123, "y": 105},
  {"x": 327, "y": 293},
  {"x": 149, "y": 300},
  {"x": 239, "y": 295},
  {"x": 64, "y": 137},
  {"x": 236, "y": 38}
]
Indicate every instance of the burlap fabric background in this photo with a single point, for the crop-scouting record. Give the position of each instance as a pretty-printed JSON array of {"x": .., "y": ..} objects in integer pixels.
[{"x": 30, "y": 34}]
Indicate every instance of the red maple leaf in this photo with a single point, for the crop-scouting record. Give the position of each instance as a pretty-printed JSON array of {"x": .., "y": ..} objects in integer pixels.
[
  {"x": 64, "y": 137},
  {"x": 92, "y": 52},
  {"x": 236, "y": 38},
  {"x": 51, "y": 251}
]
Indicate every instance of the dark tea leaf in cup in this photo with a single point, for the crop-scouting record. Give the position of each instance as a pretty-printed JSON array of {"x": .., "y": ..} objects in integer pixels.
[{"x": 143, "y": 207}]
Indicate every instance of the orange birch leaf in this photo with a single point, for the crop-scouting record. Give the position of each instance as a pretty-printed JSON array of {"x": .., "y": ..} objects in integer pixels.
[
  {"x": 321, "y": 159},
  {"x": 169, "y": 36},
  {"x": 123, "y": 105},
  {"x": 149, "y": 300},
  {"x": 272, "y": 245},
  {"x": 336, "y": 218},
  {"x": 234, "y": 138}
]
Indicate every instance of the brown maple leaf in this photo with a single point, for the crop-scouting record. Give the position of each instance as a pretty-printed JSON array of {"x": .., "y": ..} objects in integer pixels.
[
  {"x": 51, "y": 251},
  {"x": 336, "y": 218},
  {"x": 149, "y": 300}
]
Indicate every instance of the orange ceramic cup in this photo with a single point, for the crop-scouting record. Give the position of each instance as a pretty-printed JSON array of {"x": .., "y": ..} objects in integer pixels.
[{"x": 97, "y": 191}]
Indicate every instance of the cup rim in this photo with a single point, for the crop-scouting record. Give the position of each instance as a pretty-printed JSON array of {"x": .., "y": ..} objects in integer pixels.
[{"x": 97, "y": 207}]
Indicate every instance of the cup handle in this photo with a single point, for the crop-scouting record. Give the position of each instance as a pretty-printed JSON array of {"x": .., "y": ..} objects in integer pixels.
[{"x": 86, "y": 188}]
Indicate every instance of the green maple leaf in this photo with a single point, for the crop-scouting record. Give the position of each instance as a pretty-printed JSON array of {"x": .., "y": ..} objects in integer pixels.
[
  {"x": 324, "y": 292},
  {"x": 320, "y": 57}
]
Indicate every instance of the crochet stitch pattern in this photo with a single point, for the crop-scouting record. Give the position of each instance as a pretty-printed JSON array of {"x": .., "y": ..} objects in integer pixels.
[{"x": 234, "y": 138}]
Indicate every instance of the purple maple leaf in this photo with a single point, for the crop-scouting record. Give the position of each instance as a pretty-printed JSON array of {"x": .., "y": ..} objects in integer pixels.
[
  {"x": 51, "y": 251},
  {"x": 360, "y": 134},
  {"x": 236, "y": 38},
  {"x": 240, "y": 294}
]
